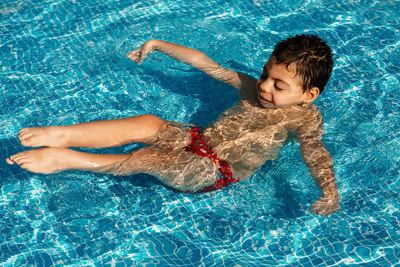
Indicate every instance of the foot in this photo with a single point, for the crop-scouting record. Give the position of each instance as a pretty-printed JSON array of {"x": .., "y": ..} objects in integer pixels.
[
  {"x": 42, "y": 136},
  {"x": 45, "y": 160}
]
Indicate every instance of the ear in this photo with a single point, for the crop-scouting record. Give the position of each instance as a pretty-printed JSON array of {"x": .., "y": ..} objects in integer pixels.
[{"x": 311, "y": 95}]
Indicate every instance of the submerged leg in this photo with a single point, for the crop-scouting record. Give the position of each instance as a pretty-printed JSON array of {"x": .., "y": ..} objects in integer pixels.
[
  {"x": 179, "y": 169},
  {"x": 95, "y": 134},
  {"x": 54, "y": 160}
]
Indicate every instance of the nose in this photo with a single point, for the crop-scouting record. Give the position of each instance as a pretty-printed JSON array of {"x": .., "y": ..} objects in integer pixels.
[{"x": 266, "y": 86}]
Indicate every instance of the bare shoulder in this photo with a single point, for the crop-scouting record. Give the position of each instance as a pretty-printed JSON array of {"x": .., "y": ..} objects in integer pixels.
[
  {"x": 302, "y": 116},
  {"x": 247, "y": 87}
]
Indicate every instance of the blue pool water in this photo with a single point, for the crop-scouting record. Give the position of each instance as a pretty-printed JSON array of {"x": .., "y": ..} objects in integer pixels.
[{"x": 63, "y": 62}]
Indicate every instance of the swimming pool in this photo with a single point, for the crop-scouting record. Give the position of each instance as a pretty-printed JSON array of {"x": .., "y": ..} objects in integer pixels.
[{"x": 64, "y": 62}]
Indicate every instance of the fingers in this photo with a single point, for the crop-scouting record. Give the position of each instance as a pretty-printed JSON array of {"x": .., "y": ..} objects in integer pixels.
[
  {"x": 322, "y": 211},
  {"x": 324, "y": 207},
  {"x": 135, "y": 55},
  {"x": 140, "y": 54}
]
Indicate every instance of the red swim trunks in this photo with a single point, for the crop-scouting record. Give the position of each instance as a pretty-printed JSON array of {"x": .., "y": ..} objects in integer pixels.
[{"x": 198, "y": 146}]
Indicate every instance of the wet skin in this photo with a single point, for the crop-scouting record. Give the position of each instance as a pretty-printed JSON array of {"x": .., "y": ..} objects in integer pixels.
[{"x": 272, "y": 109}]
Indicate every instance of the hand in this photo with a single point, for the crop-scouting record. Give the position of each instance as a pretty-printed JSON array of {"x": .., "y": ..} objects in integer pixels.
[
  {"x": 326, "y": 205},
  {"x": 140, "y": 54}
]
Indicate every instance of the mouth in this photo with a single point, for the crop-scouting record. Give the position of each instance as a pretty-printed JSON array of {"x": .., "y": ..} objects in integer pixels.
[
  {"x": 265, "y": 102},
  {"x": 262, "y": 99}
]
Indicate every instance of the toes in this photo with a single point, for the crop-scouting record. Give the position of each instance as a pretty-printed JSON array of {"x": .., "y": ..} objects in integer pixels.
[
  {"x": 26, "y": 160},
  {"x": 25, "y": 132},
  {"x": 26, "y": 166},
  {"x": 25, "y": 136},
  {"x": 14, "y": 158},
  {"x": 27, "y": 141},
  {"x": 33, "y": 160},
  {"x": 19, "y": 158}
]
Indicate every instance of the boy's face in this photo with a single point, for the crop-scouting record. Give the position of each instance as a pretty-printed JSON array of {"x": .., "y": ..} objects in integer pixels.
[{"x": 279, "y": 86}]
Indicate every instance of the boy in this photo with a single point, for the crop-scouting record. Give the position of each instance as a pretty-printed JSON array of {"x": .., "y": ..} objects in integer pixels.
[{"x": 271, "y": 109}]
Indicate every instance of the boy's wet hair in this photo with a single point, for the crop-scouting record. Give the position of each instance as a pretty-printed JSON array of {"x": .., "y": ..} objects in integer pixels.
[{"x": 312, "y": 57}]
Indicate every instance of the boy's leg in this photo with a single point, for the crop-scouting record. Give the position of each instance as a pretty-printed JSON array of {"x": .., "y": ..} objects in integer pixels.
[
  {"x": 179, "y": 169},
  {"x": 95, "y": 134},
  {"x": 54, "y": 160}
]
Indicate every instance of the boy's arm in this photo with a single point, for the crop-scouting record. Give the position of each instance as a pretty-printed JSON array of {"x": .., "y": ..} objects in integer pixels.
[
  {"x": 320, "y": 164},
  {"x": 196, "y": 59}
]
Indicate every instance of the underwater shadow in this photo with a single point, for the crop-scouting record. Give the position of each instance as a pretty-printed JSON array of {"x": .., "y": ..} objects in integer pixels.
[
  {"x": 215, "y": 97},
  {"x": 285, "y": 195}
]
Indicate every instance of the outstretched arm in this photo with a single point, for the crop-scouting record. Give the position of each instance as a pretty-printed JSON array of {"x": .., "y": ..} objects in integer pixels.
[
  {"x": 320, "y": 164},
  {"x": 196, "y": 59}
]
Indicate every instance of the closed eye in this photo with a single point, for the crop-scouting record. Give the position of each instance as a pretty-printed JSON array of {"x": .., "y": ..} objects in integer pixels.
[{"x": 277, "y": 88}]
